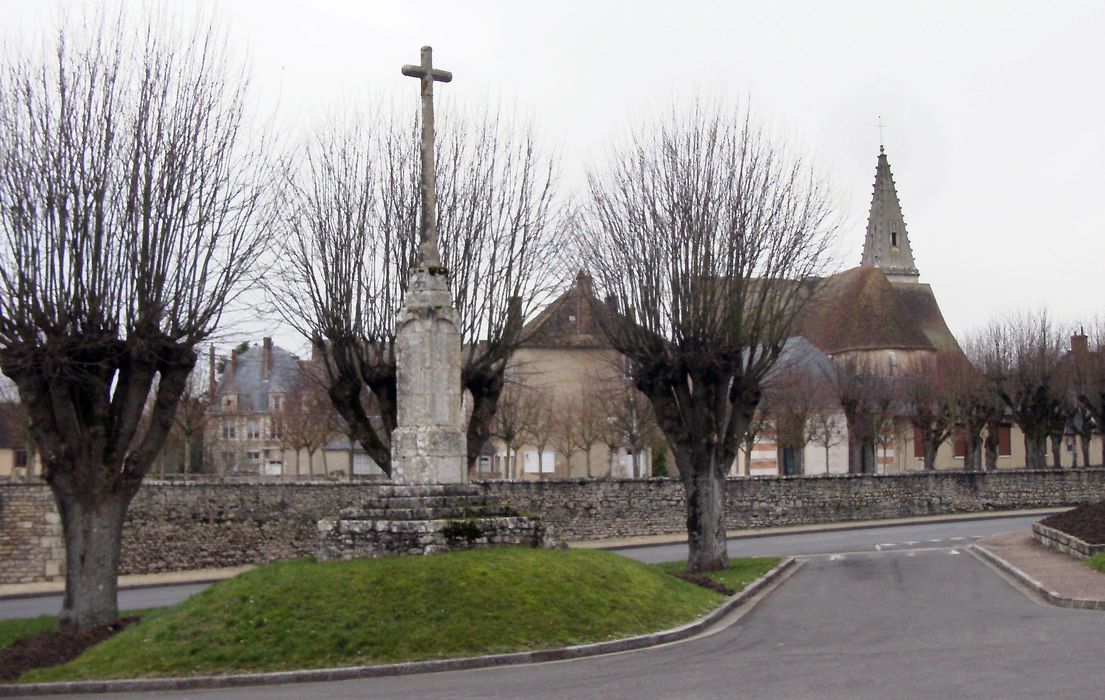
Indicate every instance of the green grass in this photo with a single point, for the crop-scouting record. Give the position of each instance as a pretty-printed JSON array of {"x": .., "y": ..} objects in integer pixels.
[
  {"x": 1097, "y": 562},
  {"x": 11, "y": 630},
  {"x": 304, "y": 614},
  {"x": 740, "y": 573}
]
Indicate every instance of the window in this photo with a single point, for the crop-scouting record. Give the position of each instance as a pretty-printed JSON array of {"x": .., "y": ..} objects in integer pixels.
[
  {"x": 21, "y": 459},
  {"x": 894, "y": 238},
  {"x": 534, "y": 464},
  {"x": 276, "y": 431},
  {"x": 1005, "y": 440},
  {"x": 254, "y": 456},
  {"x": 278, "y": 402},
  {"x": 229, "y": 431},
  {"x": 253, "y": 430},
  {"x": 918, "y": 447},
  {"x": 959, "y": 442}
]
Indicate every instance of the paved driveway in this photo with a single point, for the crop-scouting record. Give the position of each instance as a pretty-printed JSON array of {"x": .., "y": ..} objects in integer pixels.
[{"x": 926, "y": 622}]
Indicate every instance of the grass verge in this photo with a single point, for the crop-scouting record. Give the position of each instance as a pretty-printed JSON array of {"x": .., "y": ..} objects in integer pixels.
[
  {"x": 1097, "y": 562},
  {"x": 303, "y": 614},
  {"x": 11, "y": 630}
]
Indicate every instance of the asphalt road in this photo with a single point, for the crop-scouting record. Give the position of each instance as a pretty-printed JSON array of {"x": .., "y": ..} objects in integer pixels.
[
  {"x": 920, "y": 622},
  {"x": 873, "y": 539}
]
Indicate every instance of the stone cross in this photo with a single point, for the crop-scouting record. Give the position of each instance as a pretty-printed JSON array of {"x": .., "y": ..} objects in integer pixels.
[{"x": 427, "y": 74}]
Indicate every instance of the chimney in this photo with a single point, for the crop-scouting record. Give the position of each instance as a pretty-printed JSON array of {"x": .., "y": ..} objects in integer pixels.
[
  {"x": 513, "y": 319},
  {"x": 266, "y": 359},
  {"x": 583, "y": 281},
  {"x": 211, "y": 373},
  {"x": 1079, "y": 343}
]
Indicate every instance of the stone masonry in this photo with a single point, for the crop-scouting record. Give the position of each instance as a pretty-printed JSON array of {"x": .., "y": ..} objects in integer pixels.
[
  {"x": 428, "y": 444},
  {"x": 426, "y": 519},
  {"x": 178, "y": 526}
]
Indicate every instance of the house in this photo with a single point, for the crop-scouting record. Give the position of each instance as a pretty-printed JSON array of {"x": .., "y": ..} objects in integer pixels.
[
  {"x": 18, "y": 460},
  {"x": 269, "y": 416},
  {"x": 563, "y": 382}
]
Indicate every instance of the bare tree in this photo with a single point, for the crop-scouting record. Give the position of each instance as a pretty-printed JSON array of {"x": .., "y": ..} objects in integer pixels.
[
  {"x": 859, "y": 390},
  {"x": 306, "y": 419},
  {"x": 760, "y": 425},
  {"x": 190, "y": 420},
  {"x": 589, "y": 423},
  {"x": 792, "y": 396},
  {"x": 976, "y": 406},
  {"x": 826, "y": 429},
  {"x": 629, "y": 420},
  {"x": 541, "y": 427},
  {"x": 511, "y": 424},
  {"x": 565, "y": 425},
  {"x": 129, "y": 196},
  {"x": 1020, "y": 355},
  {"x": 928, "y": 403},
  {"x": 351, "y": 239},
  {"x": 707, "y": 231},
  {"x": 1085, "y": 374}
]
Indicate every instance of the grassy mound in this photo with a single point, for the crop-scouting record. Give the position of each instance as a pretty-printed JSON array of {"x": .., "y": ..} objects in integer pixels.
[{"x": 303, "y": 614}]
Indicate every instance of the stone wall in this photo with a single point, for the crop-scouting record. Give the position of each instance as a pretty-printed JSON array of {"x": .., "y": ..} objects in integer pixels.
[
  {"x": 182, "y": 525},
  {"x": 31, "y": 548}
]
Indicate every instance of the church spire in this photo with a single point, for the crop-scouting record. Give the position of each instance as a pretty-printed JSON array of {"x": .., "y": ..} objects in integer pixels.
[{"x": 887, "y": 243}]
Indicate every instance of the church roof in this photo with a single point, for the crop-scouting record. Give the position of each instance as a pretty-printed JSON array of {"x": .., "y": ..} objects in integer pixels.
[
  {"x": 859, "y": 309},
  {"x": 886, "y": 245}
]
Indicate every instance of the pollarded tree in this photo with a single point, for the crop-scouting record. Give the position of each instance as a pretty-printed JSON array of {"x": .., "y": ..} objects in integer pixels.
[
  {"x": 350, "y": 232},
  {"x": 926, "y": 395},
  {"x": 976, "y": 405},
  {"x": 1020, "y": 355},
  {"x": 707, "y": 231},
  {"x": 129, "y": 196},
  {"x": 1085, "y": 373}
]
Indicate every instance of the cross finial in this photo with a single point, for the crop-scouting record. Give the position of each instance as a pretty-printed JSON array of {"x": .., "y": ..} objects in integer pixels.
[
  {"x": 880, "y": 126},
  {"x": 427, "y": 75}
]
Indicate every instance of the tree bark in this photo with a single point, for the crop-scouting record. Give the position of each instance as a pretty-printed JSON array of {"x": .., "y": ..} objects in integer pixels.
[
  {"x": 93, "y": 529},
  {"x": 1035, "y": 451},
  {"x": 704, "y": 482}
]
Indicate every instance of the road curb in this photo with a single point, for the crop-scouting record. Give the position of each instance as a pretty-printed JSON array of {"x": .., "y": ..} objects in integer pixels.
[
  {"x": 644, "y": 641},
  {"x": 1036, "y": 587},
  {"x": 754, "y": 533}
]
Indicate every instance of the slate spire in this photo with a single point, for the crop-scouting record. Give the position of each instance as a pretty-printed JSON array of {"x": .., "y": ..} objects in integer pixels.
[{"x": 887, "y": 243}]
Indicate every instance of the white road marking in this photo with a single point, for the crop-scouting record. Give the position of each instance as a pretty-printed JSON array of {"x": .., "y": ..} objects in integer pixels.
[
  {"x": 957, "y": 539},
  {"x": 912, "y": 542},
  {"x": 878, "y": 547},
  {"x": 836, "y": 557},
  {"x": 892, "y": 544},
  {"x": 953, "y": 551},
  {"x": 911, "y": 554},
  {"x": 934, "y": 540}
]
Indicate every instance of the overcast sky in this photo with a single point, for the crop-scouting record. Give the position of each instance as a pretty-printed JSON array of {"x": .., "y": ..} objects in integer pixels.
[{"x": 994, "y": 111}]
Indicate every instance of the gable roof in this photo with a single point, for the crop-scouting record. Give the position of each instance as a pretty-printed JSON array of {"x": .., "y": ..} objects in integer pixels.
[{"x": 569, "y": 321}]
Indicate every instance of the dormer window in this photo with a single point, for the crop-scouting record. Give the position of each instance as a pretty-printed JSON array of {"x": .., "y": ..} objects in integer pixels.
[{"x": 894, "y": 238}]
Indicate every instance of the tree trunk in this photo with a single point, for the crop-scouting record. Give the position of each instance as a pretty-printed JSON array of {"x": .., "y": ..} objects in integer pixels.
[
  {"x": 1035, "y": 451},
  {"x": 1084, "y": 444},
  {"x": 589, "y": 463},
  {"x": 93, "y": 528},
  {"x": 930, "y": 447},
  {"x": 992, "y": 443},
  {"x": 704, "y": 483},
  {"x": 972, "y": 452},
  {"x": 1057, "y": 450},
  {"x": 827, "y": 459}
]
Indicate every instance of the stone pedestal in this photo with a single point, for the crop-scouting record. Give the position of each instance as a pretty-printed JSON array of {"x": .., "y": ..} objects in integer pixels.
[{"x": 428, "y": 444}]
